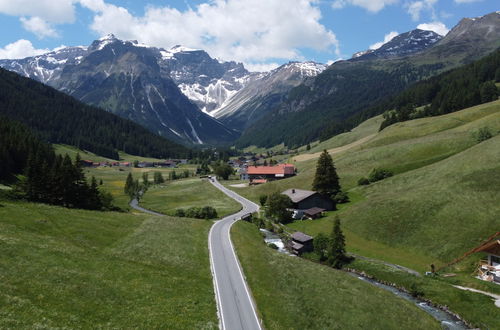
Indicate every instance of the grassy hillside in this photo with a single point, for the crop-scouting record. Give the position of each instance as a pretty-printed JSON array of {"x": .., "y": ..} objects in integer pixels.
[
  {"x": 183, "y": 194},
  {"x": 80, "y": 269},
  {"x": 293, "y": 293},
  {"x": 442, "y": 201}
]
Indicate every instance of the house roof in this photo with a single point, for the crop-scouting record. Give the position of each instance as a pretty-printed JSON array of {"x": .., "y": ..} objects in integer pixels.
[
  {"x": 492, "y": 247},
  {"x": 301, "y": 237},
  {"x": 278, "y": 169},
  {"x": 297, "y": 195},
  {"x": 314, "y": 211},
  {"x": 297, "y": 246}
]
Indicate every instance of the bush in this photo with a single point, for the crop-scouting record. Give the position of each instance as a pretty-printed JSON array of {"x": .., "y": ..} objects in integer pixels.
[
  {"x": 378, "y": 174},
  {"x": 273, "y": 246},
  {"x": 341, "y": 198},
  {"x": 263, "y": 199},
  {"x": 363, "y": 181},
  {"x": 483, "y": 134},
  {"x": 180, "y": 213}
]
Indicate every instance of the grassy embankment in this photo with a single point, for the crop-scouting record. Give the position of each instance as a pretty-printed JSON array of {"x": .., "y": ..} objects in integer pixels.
[
  {"x": 66, "y": 268},
  {"x": 293, "y": 293},
  {"x": 186, "y": 193}
]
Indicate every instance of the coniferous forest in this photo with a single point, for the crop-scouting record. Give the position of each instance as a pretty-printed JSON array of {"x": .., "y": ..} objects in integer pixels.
[
  {"x": 59, "y": 118},
  {"x": 42, "y": 176},
  {"x": 451, "y": 91}
]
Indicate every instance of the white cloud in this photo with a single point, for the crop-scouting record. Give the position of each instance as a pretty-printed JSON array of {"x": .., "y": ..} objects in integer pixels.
[
  {"x": 261, "y": 67},
  {"x": 370, "y": 5},
  {"x": 255, "y": 32},
  {"x": 39, "y": 27},
  {"x": 20, "y": 49},
  {"x": 415, "y": 8},
  {"x": 53, "y": 11},
  {"x": 467, "y": 1},
  {"x": 388, "y": 37},
  {"x": 437, "y": 27}
]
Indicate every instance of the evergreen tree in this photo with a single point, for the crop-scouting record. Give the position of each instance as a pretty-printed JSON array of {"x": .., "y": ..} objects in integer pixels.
[
  {"x": 489, "y": 92},
  {"x": 145, "y": 179},
  {"x": 129, "y": 185},
  {"x": 321, "y": 243},
  {"x": 326, "y": 180},
  {"x": 337, "y": 257}
]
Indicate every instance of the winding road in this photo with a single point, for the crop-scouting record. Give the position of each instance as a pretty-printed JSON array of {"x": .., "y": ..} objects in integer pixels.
[{"x": 234, "y": 302}]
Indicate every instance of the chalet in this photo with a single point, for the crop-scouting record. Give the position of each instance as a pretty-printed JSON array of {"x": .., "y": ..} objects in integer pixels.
[
  {"x": 300, "y": 243},
  {"x": 307, "y": 199},
  {"x": 270, "y": 173},
  {"x": 489, "y": 269}
]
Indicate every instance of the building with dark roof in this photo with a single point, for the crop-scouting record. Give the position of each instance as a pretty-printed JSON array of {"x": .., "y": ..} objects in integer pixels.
[
  {"x": 300, "y": 243},
  {"x": 307, "y": 199}
]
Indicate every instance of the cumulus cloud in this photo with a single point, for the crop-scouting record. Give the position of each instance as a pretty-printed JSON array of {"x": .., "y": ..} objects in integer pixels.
[
  {"x": 437, "y": 27},
  {"x": 20, "y": 49},
  {"x": 370, "y": 5},
  {"x": 388, "y": 37},
  {"x": 39, "y": 27},
  {"x": 38, "y": 16},
  {"x": 254, "y": 32},
  {"x": 415, "y": 8},
  {"x": 53, "y": 11}
]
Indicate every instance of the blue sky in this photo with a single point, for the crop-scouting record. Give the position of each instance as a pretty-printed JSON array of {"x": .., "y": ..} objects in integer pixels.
[{"x": 259, "y": 33}]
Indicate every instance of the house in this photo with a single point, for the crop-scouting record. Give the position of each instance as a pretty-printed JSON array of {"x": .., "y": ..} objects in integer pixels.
[
  {"x": 314, "y": 212},
  {"x": 489, "y": 269},
  {"x": 86, "y": 163},
  {"x": 269, "y": 173},
  {"x": 307, "y": 199},
  {"x": 300, "y": 243}
]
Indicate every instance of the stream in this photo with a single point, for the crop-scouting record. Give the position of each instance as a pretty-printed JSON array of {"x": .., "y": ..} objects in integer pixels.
[{"x": 448, "y": 321}]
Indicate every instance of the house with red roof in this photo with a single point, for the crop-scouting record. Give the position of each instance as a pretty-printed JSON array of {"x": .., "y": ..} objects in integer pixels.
[{"x": 261, "y": 174}]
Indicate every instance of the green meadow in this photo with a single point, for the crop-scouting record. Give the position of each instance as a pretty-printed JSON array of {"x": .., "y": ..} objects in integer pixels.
[
  {"x": 186, "y": 193},
  {"x": 293, "y": 293},
  {"x": 63, "y": 268}
]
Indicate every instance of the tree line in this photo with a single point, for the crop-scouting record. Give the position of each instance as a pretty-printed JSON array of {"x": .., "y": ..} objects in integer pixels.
[
  {"x": 39, "y": 175},
  {"x": 59, "y": 118},
  {"x": 454, "y": 90}
]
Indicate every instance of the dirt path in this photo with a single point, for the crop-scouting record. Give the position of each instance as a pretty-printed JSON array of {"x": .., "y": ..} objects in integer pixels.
[{"x": 304, "y": 157}]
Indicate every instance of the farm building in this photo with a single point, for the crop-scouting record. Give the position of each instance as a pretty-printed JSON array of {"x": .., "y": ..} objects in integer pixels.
[
  {"x": 270, "y": 173},
  {"x": 489, "y": 269},
  {"x": 300, "y": 243},
  {"x": 307, "y": 199}
]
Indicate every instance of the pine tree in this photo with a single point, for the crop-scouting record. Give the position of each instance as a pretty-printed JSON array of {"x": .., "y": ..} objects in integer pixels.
[
  {"x": 337, "y": 257},
  {"x": 326, "y": 180},
  {"x": 129, "y": 185}
]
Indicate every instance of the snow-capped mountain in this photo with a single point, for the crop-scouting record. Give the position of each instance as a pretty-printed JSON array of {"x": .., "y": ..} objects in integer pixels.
[
  {"x": 402, "y": 45},
  {"x": 264, "y": 92},
  {"x": 133, "y": 81}
]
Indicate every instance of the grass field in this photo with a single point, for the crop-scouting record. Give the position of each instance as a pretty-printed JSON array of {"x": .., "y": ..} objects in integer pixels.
[
  {"x": 292, "y": 293},
  {"x": 64, "y": 268},
  {"x": 443, "y": 200},
  {"x": 186, "y": 193}
]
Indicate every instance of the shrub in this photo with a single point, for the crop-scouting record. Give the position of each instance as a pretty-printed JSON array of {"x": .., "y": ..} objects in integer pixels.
[
  {"x": 341, "y": 198},
  {"x": 180, "y": 213},
  {"x": 363, "y": 181},
  {"x": 263, "y": 199},
  {"x": 378, "y": 174},
  {"x": 273, "y": 246},
  {"x": 483, "y": 134}
]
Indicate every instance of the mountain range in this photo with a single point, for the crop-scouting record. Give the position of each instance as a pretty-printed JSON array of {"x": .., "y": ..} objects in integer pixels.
[{"x": 187, "y": 96}]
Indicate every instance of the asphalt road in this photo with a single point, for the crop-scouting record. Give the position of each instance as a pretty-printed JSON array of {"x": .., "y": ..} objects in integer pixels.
[
  {"x": 234, "y": 302},
  {"x": 135, "y": 204}
]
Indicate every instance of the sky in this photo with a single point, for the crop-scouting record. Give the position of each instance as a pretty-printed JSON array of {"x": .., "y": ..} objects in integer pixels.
[{"x": 260, "y": 33}]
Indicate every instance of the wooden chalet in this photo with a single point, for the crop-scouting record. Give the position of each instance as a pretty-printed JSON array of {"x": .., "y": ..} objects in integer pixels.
[
  {"x": 307, "y": 199},
  {"x": 270, "y": 173},
  {"x": 489, "y": 269},
  {"x": 300, "y": 243}
]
